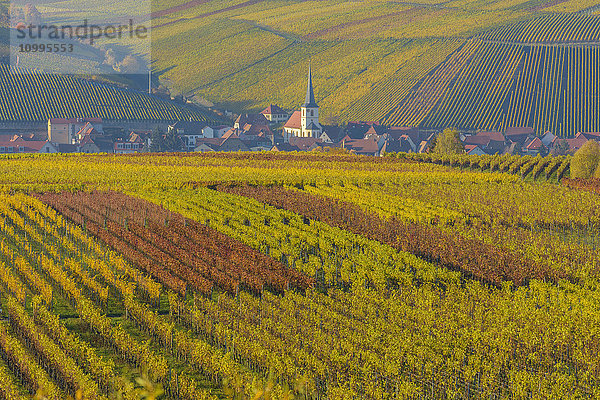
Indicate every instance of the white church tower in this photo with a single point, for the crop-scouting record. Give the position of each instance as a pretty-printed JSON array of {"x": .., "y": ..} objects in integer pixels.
[{"x": 309, "y": 119}]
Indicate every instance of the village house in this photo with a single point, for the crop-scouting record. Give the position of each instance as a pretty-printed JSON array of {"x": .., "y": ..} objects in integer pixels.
[
  {"x": 305, "y": 143},
  {"x": 188, "y": 131},
  {"x": 488, "y": 142},
  {"x": 284, "y": 147},
  {"x": 134, "y": 143},
  {"x": 17, "y": 145},
  {"x": 474, "y": 150},
  {"x": 95, "y": 144},
  {"x": 230, "y": 143},
  {"x": 573, "y": 143},
  {"x": 87, "y": 131},
  {"x": 548, "y": 138},
  {"x": 402, "y": 145},
  {"x": 65, "y": 130},
  {"x": 250, "y": 119},
  {"x": 367, "y": 147},
  {"x": 518, "y": 134},
  {"x": 208, "y": 145},
  {"x": 275, "y": 114},
  {"x": 534, "y": 146},
  {"x": 215, "y": 131}
]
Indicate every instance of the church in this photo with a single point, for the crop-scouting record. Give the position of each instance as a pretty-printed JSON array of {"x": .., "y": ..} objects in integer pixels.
[{"x": 305, "y": 123}]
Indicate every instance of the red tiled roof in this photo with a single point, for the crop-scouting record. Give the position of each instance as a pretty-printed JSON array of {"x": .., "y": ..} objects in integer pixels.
[
  {"x": 304, "y": 143},
  {"x": 16, "y": 139},
  {"x": 251, "y": 119},
  {"x": 399, "y": 131},
  {"x": 590, "y": 135},
  {"x": 576, "y": 143},
  {"x": 535, "y": 144},
  {"x": 362, "y": 145},
  {"x": 230, "y": 133},
  {"x": 469, "y": 148},
  {"x": 88, "y": 130},
  {"x": 519, "y": 131},
  {"x": 495, "y": 136},
  {"x": 477, "y": 140},
  {"x": 35, "y": 145},
  {"x": 255, "y": 129},
  {"x": 86, "y": 139},
  {"x": 29, "y": 146},
  {"x": 295, "y": 121},
  {"x": 273, "y": 109},
  {"x": 377, "y": 130}
]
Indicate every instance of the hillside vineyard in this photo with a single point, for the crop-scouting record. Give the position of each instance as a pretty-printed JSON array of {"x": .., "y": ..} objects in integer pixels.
[
  {"x": 37, "y": 96},
  {"x": 471, "y": 65},
  {"x": 466, "y": 64}
]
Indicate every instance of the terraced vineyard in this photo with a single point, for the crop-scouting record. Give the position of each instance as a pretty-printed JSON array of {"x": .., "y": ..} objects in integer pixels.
[
  {"x": 538, "y": 73},
  {"x": 303, "y": 276},
  {"x": 39, "y": 96},
  {"x": 499, "y": 64},
  {"x": 431, "y": 64}
]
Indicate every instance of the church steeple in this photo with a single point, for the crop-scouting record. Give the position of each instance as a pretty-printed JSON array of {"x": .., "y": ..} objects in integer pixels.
[
  {"x": 309, "y": 112},
  {"x": 309, "y": 101}
]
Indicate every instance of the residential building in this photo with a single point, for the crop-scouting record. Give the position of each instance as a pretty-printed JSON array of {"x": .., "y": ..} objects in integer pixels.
[
  {"x": 250, "y": 119},
  {"x": 215, "y": 131},
  {"x": 275, "y": 114},
  {"x": 132, "y": 144},
  {"x": 367, "y": 147},
  {"x": 64, "y": 130},
  {"x": 518, "y": 134},
  {"x": 473, "y": 149},
  {"x": 19, "y": 146}
]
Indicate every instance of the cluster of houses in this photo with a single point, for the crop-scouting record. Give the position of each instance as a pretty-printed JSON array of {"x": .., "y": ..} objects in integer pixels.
[
  {"x": 263, "y": 132},
  {"x": 76, "y": 135},
  {"x": 274, "y": 129},
  {"x": 524, "y": 141}
]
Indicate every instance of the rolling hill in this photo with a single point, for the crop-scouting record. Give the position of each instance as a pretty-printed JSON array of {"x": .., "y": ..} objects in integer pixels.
[
  {"x": 35, "y": 96},
  {"x": 471, "y": 64}
]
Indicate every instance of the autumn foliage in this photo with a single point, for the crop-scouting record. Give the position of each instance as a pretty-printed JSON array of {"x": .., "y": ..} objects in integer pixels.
[
  {"x": 472, "y": 256},
  {"x": 181, "y": 253}
]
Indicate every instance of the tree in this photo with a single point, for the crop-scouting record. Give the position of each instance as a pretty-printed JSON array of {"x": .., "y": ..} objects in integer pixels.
[
  {"x": 32, "y": 15},
  {"x": 110, "y": 58},
  {"x": 585, "y": 161},
  {"x": 448, "y": 142},
  {"x": 173, "y": 142},
  {"x": 561, "y": 148},
  {"x": 157, "y": 141},
  {"x": 129, "y": 65}
]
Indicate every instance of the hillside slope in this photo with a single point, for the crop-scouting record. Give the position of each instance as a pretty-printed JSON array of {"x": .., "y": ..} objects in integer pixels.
[
  {"x": 370, "y": 56},
  {"x": 541, "y": 73},
  {"x": 38, "y": 97},
  {"x": 473, "y": 64}
]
